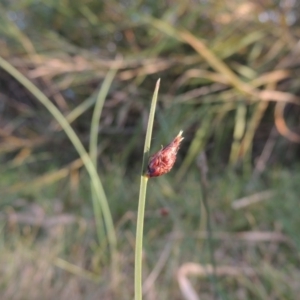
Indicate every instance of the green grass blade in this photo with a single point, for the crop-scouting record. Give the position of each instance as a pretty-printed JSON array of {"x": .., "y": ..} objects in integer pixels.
[
  {"x": 93, "y": 146},
  {"x": 138, "y": 293},
  {"x": 150, "y": 124},
  {"x": 77, "y": 145}
]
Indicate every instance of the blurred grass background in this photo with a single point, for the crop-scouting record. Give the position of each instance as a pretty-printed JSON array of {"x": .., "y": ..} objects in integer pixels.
[{"x": 229, "y": 78}]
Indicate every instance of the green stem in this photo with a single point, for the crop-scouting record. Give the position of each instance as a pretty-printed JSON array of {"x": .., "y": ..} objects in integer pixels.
[
  {"x": 98, "y": 210},
  {"x": 94, "y": 146},
  {"x": 139, "y": 239},
  {"x": 138, "y": 293}
]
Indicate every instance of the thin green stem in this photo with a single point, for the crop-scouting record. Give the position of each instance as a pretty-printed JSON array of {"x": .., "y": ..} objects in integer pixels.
[
  {"x": 138, "y": 293},
  {"x": 150, "y": 125},
  {"x": 94, "y": 146},
  {"x": 97, "y": 112},
  {"x": 77, "y": 145},
  {"x": 99, "y": 213},
  {"x": 139, "y": 240}
]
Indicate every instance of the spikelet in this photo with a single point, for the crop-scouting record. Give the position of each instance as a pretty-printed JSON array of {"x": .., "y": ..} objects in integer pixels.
[{"x": 162, "y": 161}]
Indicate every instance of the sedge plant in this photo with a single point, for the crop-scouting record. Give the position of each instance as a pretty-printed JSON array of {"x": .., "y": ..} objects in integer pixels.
[
  {"x": 142, "y": 200},
  {"x": 159, "y": 164}
]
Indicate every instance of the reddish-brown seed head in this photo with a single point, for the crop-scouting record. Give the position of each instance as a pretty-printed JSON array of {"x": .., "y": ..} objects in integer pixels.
[{"x": 162, "y": 161}]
